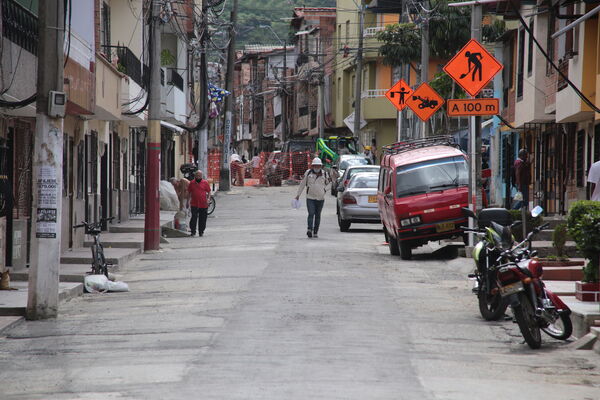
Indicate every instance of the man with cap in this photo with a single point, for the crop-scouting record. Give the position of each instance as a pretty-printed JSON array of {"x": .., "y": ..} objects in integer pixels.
[
  {"x": 199, "y": 191},
  {"x": 315, "y": 180}
]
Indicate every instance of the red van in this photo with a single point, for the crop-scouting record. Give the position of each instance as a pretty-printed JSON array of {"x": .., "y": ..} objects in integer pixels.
[{"x": 423, "y": 184}]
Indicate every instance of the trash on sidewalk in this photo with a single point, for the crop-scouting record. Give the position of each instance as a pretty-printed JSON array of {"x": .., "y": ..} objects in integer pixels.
[
  {"x": 180, "y": 220},
  {"x": 101, "y": 284}
]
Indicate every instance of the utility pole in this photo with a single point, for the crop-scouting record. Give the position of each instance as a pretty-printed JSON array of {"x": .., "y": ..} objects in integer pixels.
[
  {"x": 425, "y": 61},
  {"x": 475, "y": 135},
  {"x": 225, "y": 182},
  {"x": 321, "y": 90},
  {"x": 359, "y": 70},
  {"x": 42, "y": 298},
  {"x": 152, "y": 211},
  {"x": 284, "y": 106},
  {"x": 202, "y": 155}
]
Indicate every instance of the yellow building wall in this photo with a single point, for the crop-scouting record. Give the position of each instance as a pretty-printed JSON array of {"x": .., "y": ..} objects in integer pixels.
[{"x": 590, "y": 61}]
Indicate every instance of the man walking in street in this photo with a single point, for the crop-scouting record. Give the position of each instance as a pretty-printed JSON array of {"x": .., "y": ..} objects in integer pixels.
[
  {"x": 199, "y": 190},
  {"x": 315, "y": 180},
  {"x": 594, "y": 179}
]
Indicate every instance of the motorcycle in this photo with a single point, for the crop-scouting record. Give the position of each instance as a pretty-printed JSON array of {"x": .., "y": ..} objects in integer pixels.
[
  {"x": 491, "y": 222},
  {"x": 535, "y": 308}
]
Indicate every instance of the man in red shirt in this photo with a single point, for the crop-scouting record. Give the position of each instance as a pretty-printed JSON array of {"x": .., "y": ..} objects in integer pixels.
[{"x": 199, "y": 190}]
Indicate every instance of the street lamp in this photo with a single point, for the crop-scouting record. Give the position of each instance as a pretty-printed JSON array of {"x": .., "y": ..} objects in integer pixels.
[{"x": 284, "y": 94}]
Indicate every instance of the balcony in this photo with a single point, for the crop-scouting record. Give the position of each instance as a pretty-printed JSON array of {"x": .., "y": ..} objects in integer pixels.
[
  {"x": 108, "y": 91},
  {"x": 127, "y": 63},
  {"x": 371, "y": 43},
  {"x": 20, "y": 26},
  {"x": 376, "y": 106}
]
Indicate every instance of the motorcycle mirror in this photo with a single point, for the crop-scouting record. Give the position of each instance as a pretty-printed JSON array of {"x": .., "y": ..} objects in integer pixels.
[
  {"x": 468, "y": 213},
  {"x": 516, "y": 224},
  {"x": 537, "y": 211}
]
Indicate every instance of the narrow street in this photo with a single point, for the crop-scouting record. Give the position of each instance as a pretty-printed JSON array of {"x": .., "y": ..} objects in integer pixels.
[{"x": 256, "y": 310}]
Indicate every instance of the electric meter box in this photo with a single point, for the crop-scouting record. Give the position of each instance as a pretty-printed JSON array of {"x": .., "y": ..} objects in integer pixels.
[{"x": 57, "y": 104}]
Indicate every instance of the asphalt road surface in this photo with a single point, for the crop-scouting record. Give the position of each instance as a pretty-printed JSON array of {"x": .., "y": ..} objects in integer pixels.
[{"x": 256, "y": 310}]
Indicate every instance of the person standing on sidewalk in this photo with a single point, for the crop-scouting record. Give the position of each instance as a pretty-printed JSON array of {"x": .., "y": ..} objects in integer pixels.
[
  {"x": 523, "y": 175},
  {"x": 199, "y": 190},
  {"x": 594, "y": 179},
  {"x": 315, "y": 180}
]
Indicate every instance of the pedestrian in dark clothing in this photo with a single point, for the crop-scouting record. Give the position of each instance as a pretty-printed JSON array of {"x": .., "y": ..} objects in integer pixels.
[
  {"x": 523, "y": 175},
  {"x": 199, "y": 190}
]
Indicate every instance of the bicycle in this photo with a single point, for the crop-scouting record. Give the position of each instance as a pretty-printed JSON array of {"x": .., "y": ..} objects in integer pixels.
[
  {"x": 99, "y": 264},
  {"x": 211, "y": 205}
]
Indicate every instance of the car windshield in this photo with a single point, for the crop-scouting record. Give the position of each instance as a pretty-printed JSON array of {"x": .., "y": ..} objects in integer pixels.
[
  {"x": 354, "y": 161},
  {"x": 356, "y": 170},
  {"x": 431, "y": 176},
  {"x": 364, "y": 181},
  {"x": 301, "y": 146}
]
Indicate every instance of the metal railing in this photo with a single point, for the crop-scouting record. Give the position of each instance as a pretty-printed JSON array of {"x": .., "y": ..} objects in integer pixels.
[
  {"x": 373, "y": 93},
  {"x": 20, "y": 26},
  {"x": 127, "y": 63}
]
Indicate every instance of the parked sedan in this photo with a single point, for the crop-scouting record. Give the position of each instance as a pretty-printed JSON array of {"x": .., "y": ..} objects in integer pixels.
[
  {"x": 350, "y": 172},
  {"x": 358, "y": 202}
]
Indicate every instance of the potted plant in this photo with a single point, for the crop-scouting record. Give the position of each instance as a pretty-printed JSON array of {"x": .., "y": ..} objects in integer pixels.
[{"x": 584, "y": 227}]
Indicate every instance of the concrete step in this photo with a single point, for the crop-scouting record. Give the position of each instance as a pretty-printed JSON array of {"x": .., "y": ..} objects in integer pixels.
[
  {"x": 555, "y": 220},
  {"x": 83, "y": 255},
  {"x": 118, "y": 240},
  {"x": 68, "y": 273},
  {"x": 546, "y": 235},
  {"x": 546, "y": 249},
  {"x": 14, "y": 302},
  {"x": 561, "y": 288}
]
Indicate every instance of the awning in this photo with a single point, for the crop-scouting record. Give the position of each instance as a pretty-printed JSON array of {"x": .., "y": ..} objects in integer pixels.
[{"x": 172, "y": 127}]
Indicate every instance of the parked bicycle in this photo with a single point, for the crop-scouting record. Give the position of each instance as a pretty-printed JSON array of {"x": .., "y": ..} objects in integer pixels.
[{"x": 99, "y": 263}]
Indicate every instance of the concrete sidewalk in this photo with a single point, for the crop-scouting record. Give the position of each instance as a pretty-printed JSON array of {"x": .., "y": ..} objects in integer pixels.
[{"x": 122, "y": 243}]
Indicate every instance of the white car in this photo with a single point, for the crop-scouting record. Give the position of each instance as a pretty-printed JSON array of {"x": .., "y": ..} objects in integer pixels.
[{"x": 358, "y": 202}]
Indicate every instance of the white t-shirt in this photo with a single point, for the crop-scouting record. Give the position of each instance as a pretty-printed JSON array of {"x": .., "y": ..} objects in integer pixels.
[{"x": 594, "y": 177}]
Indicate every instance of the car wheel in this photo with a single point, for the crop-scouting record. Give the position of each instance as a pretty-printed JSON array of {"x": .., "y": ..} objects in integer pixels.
[
  {"x": 405, "y": 251},
  {"x": 344, "y": 225},
  {"x": 393, "y": 245}
]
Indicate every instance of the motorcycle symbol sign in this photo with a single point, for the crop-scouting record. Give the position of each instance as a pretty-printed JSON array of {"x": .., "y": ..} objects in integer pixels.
[{"x": 425, "y": 101}]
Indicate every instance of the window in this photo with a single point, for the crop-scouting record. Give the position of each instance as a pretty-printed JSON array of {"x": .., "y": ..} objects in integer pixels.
[
  {"x": 80, "y": 169},
  {"x": 521, "y": 64},
  {"x": 431, "y": 176},
  {"x": 105, "y": 26},
  {"x": 530, "y": 50},
  {"x": 580, "y": 154},
  {"x": 116, "y": 159},
  {"x": 347, "y": 32},
  {"x": 596, "y": 143}
]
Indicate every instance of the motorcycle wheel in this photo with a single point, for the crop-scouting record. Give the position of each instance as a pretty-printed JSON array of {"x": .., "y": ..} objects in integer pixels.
[
  {"x": 491, "y": 307},
  {"x": 525, "y": 316},
  {"x": 561, "y": 329}
]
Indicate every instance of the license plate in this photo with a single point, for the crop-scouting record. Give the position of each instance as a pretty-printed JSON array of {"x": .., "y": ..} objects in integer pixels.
[
  {"x": 511, "y": 289},
  {"x": 372, "y": 199},
  {"x": 444, "y": 227}
]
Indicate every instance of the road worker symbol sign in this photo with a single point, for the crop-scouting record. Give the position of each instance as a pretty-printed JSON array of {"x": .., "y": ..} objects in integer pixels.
[
  {"x": 424, "y": 101},
  {"x": 398, "y": 94},
  {"x": 473, "y": 67}
]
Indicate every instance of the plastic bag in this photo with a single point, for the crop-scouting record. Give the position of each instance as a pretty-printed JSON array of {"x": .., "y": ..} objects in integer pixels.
[
  {"x": 295, "y": 204},
  {"x": 117, "y": 286},
  {"x": 518, "y": 196},
  {"x": 95, "y": 283},
  {"x": 101, "y": 284}
]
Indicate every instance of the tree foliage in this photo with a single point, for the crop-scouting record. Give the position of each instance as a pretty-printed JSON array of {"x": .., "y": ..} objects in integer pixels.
[{"x": 449, "y": 31}]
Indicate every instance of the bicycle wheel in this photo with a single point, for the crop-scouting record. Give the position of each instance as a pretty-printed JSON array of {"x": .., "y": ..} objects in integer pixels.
[
  {"x": 95, "y": 263},
  {"x": 211, "y": 206}
]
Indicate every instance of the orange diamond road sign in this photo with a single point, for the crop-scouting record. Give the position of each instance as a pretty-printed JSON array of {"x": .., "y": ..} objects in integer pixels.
[
  {"x": 398, "y": 94},
  {"x": 473, "y": 67},
  {"x": 464, "y": 107},
  {"x": 424, "y": 101}
]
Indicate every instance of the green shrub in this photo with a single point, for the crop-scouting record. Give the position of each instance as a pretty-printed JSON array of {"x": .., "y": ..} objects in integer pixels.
[
  {"x": 584, "y": 228},
  {"x": 531, "y": 223},
  {"x": 559, "y": 238}
]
